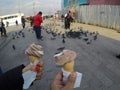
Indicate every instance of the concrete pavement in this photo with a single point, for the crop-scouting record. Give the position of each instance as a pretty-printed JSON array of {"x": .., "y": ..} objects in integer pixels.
[{"x": 97, "y": 61}]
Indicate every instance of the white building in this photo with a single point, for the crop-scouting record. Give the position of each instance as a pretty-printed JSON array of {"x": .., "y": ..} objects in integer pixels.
[{"x": 11, "y": 18}]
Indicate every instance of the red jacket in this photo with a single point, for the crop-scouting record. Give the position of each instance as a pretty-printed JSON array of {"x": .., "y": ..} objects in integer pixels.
[{"x": 37, "y": 20}]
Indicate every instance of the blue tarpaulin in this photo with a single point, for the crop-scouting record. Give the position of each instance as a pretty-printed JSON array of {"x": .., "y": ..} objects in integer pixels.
[
  {"x": 65, "y": 3},
  {"x": 82, "y": 1}
]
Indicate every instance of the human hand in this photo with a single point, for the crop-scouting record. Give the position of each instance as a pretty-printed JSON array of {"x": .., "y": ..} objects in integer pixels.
[
  {"x": 40, "y": 72},
  {"x": 37, "y": 68},
  {"x": 57, "y": 83}
]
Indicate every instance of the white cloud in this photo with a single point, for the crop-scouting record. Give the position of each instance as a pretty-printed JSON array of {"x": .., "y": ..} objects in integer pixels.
[{"x": 29, "y": 6}]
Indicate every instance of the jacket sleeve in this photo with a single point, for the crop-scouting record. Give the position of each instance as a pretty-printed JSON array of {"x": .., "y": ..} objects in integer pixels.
[{"x": 12, "y": 79}]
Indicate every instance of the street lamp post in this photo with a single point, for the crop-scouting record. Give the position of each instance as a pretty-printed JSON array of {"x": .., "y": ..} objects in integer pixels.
[{"x": 34, "y": 8}]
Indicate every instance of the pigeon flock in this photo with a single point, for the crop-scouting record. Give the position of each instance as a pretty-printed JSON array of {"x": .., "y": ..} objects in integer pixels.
[
  {"x": 50, "y": 28},
  {"x": 19, "y": 34},
  {"x": 86, "y": 36}
]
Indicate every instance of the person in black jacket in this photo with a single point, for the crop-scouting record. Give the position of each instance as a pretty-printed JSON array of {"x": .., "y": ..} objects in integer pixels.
[
  {"x": 13, "y": 79},
  {"x": 0, "y": 71},
  {"x": 23, "y": 21},
  {"x": 2, "y": 28},
  {"x": 68, "y": 20}
]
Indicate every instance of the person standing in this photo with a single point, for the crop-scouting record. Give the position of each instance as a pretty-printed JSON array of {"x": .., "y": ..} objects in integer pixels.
[
  {"x": 16, "y": 23},
  {"x": 37, "y": 25},
  {"x": 2, "y": 28},
  {"x": 62, "y": 17},
  {"x": 7, "y": 24},
  {"x": 68, "y": 20},
  {"x": 31, "y": 21},
  {"x": 23, "y": 21}
]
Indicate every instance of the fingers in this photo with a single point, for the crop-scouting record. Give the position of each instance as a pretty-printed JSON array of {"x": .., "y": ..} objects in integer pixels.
[
  {"x": 40, "y": 72},
  {"x": 41, "y": 63},
  {"x": 71, "y": 81},
  {"x": 59, "y": 76},
  {"x": 56, "y": 83},
  {"x": 39, "y": 75}
]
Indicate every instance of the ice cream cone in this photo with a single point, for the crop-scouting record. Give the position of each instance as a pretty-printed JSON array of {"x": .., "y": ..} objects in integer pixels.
[
  {"x": 65, "y": 58},
  {"x": 69, "y": 66},
  {"x": 34, "y": 52},
  {"x": 32, "y": 59}
]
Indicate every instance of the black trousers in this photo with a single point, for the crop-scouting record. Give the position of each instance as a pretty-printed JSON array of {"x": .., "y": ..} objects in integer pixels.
[
  {"x": 23, "y": 25},
  {"x": 37, "y": 31},
  {"x": 3, "y": 31}
]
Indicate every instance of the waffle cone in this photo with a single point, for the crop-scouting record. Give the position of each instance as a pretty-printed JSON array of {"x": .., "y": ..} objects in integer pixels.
[
  {"x": 69, "y": 66},
  {"x": 33, "y": 58}
]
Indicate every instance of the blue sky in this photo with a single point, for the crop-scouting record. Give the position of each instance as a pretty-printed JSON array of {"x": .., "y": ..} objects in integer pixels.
[{"x": 29, "y": 7}]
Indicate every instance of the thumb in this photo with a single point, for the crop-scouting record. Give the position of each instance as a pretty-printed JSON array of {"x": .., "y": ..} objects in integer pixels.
[{"x": 71, "y": 81}]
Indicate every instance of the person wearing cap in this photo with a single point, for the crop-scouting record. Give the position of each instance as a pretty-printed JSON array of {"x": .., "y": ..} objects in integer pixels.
[{"x": 37, "y": 25}]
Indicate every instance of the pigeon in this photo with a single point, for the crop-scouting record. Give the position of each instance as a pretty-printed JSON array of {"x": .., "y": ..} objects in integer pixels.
[
  {"x": 13, "y": 37},
  {"x": 95, "y": 37},
  {"x": 57, "y": 52},
  {"x": 85, "y": 39},
  {"x": 17, "y": 36},
  {"x": 13, "y": 46},
  {"x": 63, "y": 35},
  {"x": 63, "y": 41},
  {"x": 23, "y": 35},
  {"x": 118, "y": 56},
  {"x": 52, "y": 38},
  {"x": 79, "y": 37},
  {"x": 89, "y": 42},
  {"x": 61, "y": 48}
]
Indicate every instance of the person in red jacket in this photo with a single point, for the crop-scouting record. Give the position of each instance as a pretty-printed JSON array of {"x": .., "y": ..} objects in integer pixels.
[{"x": 37, "y": 25}]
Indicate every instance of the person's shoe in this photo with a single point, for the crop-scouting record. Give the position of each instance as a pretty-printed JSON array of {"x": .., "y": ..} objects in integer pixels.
[
  {"x": 41, "y": 39},
  {"x": 41, "y": 36}
]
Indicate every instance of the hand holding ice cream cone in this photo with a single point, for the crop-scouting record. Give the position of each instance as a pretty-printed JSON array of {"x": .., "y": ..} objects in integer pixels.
[
  {"x": 66, "y": 59},
  {"x": 36, "y": 68},
  {"x": 35, "y": 53}
]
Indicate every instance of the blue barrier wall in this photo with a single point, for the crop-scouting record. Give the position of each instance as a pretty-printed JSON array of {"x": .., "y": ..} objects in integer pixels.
[
  {"x": 82, "y": 1},
  {"x": 65, "y": 3}
]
